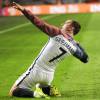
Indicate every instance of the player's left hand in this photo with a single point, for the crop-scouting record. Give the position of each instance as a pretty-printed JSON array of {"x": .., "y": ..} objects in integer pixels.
[{"x": 17, "y": 6}]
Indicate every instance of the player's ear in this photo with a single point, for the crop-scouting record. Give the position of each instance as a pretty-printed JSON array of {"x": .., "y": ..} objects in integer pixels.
[{"x": 73, "y": 28}]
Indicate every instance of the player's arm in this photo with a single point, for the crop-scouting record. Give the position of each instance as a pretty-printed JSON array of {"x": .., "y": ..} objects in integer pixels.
[
  {"x": 81, "y": 54},
  {"x": 42, "y": 25}
]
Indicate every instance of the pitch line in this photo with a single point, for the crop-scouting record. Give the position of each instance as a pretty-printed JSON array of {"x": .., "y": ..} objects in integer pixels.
[{"x": 25, "y": 24}]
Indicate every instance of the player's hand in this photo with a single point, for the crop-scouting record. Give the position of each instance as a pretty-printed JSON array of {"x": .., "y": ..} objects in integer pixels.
[{"x": 17, "y": 6}]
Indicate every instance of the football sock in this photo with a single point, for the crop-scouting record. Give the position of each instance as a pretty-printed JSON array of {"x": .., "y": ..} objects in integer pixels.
[
  {"x": 46, "y": 90},
  {"x": 21, "y": 92}
]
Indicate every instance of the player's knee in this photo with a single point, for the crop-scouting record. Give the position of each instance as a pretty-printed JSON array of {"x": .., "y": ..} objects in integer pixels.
[
  {"x": 15, "y": 92},
  {"x": 22, "y": 92},
  {"x": 12, "y": 91}
]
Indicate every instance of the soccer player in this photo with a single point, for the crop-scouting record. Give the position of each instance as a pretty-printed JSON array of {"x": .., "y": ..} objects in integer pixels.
[{"x": 60, "y": 45}]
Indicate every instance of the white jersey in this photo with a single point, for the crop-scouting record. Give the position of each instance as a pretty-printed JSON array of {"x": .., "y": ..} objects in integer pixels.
[
  {"x": 54, "y": 51},
  {"x": 58, "y": 47},
  {"x": 43, "y": 67}
]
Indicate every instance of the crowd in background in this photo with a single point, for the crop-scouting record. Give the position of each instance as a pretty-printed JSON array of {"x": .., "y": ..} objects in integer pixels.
[{"x": 4, "y": 3}]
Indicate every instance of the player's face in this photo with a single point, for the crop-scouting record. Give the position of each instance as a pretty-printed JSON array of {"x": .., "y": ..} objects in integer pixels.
[{"x": 67, "y": 26}]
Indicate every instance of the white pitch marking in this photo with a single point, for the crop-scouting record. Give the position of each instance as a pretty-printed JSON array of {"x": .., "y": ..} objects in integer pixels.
[{"x": 23, "y": 25}]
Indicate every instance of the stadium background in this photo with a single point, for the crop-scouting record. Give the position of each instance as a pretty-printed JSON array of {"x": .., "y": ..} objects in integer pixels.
[{"x": 20, "y": 42}]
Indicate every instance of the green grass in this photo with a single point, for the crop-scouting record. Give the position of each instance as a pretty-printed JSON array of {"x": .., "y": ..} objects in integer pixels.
[{"x": 75, "y": 80}]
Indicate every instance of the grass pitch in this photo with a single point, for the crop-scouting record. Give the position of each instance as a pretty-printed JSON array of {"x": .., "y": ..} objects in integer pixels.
[{"x": 19, "y": 46}]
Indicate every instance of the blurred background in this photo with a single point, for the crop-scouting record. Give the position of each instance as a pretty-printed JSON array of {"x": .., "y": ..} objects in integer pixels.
[
  {"x": 20, "y": 43},
  {"x": 51, "y": 6},
  {"x": 4, "y": 3}
]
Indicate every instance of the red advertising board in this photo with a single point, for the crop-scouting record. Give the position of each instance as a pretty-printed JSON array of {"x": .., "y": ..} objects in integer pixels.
[{"x": 55, "y": 9}]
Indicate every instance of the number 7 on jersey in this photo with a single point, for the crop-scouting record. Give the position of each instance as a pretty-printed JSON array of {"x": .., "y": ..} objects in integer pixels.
[{"x": 58, "y": 56}]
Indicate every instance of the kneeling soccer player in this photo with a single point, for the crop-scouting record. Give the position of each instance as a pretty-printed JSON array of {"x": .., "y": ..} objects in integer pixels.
[{"x": 60, "y": 45}]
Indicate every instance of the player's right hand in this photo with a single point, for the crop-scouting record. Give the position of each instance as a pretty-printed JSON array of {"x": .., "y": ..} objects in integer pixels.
[{"x": 17, "y": 6}]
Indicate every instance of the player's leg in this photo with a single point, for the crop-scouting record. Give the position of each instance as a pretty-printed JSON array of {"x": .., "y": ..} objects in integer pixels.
[
  {"x": 24, "y": 92},
  {"x": 18, "y": 91},
  {"x": 22, "y": 87},
  {"x": 48, "y": 88},
  {"x": 21, "y": 92},
  {"x": 45, "y": 88}
]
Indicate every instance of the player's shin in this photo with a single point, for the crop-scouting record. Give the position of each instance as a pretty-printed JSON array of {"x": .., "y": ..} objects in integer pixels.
[{"x": 21, "y": 92}]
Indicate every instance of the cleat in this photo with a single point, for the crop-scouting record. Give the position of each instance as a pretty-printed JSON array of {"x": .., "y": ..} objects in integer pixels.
[
  {"x": 38, "y": 93},
  {"x": 54, "y": 91}
]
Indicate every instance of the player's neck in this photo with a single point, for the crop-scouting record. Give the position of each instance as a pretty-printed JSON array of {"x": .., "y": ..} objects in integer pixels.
[{"x": 70, "y": 33}]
